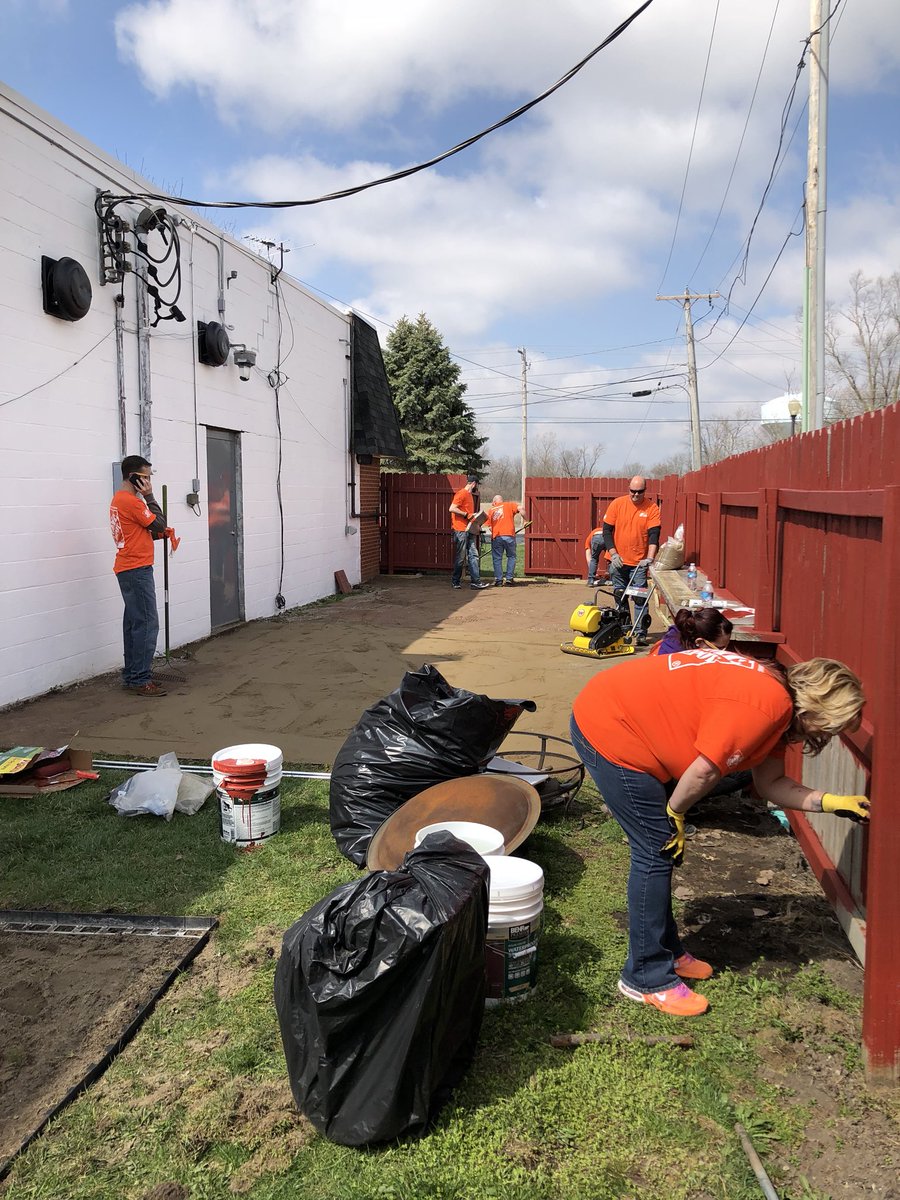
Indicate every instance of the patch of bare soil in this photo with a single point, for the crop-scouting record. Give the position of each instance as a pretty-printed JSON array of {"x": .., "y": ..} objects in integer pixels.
[
  {"x": 64, "y": 999},
  {"x": 750, "y": 898}
]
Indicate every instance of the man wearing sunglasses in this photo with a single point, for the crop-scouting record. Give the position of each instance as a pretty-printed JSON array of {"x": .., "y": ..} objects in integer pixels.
[{"x": 631, "y": 528}]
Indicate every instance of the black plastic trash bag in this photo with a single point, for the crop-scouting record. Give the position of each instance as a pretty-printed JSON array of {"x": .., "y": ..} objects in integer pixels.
[
  {"x": 380, "y": 994},
  {"x": 423, "y": 733}
]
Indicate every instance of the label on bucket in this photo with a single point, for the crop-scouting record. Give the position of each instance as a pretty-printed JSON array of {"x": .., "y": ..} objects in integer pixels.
[
  {"x": 511, "y": 954},
  {"x": 245, "y": 823}
]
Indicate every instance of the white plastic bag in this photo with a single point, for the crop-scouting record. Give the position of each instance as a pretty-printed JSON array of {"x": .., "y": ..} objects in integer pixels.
[{"x": 161, "y": 791}]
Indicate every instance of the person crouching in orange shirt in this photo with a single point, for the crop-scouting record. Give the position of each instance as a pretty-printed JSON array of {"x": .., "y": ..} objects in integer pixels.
[
  {"x": 502, "y": 522},
  {"x": 692, "y": 716}
]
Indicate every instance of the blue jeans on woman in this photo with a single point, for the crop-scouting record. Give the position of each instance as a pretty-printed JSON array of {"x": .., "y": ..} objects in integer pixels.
[
  {"x": 140, "y": 624},
  {"x": 500, "y": 545},
  {"x": 638, "y": 802}
]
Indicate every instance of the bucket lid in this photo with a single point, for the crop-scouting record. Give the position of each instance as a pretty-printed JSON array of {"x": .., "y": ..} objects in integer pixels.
[
  {"x": 256, "y": 752},
  {"x": 514, "y": 878}
]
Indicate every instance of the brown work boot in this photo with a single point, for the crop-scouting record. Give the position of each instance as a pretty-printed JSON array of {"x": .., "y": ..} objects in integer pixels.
[{"x": 147, "y": 689}]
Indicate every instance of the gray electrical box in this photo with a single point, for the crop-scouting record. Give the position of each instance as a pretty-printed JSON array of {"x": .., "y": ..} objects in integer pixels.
[{"x": 116, "y": 477}]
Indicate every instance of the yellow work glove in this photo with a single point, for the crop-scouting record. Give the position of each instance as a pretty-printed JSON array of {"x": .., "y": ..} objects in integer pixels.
[
  {"x": 674, "y": 847},
  {"x": 854, "y": 807}
]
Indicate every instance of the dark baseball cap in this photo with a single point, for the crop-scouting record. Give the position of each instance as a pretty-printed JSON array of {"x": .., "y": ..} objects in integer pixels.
[{"x": 471, "y": 479}]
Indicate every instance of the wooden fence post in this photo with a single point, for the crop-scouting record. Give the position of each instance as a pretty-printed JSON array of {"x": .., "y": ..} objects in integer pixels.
[
  {"x": 715, "y": 553},
  {"x": 767, "y": 563},
  {"x": 881, "y": 997}
]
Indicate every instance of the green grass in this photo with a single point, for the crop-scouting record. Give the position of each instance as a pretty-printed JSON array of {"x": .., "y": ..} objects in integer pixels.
[{"x": 199, "y": 1097}]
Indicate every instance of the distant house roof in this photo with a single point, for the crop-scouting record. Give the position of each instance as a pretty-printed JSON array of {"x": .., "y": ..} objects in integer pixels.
[{"x": 376, "y": 426}]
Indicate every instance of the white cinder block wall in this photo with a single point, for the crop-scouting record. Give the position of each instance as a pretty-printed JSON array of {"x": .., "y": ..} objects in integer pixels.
[{"x": 60, "y": 607}]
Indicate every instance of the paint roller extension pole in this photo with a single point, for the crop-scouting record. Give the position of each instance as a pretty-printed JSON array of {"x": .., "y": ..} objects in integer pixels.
[
  {"x": 756, "y": 1163},
  {"x": 165, "y": 509}
]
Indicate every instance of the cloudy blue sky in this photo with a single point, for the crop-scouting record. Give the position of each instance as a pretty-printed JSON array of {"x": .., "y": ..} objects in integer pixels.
[{"x": 554, "y": 233}]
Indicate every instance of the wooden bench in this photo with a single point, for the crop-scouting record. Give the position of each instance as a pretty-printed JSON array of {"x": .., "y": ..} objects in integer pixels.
[{"x": 673, "y": 592}]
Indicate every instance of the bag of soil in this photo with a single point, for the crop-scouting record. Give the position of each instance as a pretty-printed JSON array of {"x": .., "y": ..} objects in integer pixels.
[
  {"x": 380, "y": 994},
  {"x": 421, "y": 734}
]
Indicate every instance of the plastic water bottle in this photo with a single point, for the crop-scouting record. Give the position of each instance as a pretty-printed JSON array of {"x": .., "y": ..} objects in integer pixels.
[
  {"x": 706, "y": 592},
  {"x": 692, "y": 576}
]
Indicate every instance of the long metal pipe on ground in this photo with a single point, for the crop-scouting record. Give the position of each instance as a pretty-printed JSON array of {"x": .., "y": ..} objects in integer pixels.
[
  {"x": 115, "y": 765},
  {"x": 755, "y": 1162}
]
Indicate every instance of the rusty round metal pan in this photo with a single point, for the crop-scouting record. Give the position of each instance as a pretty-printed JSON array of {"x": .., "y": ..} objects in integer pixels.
[{"x": 503, "y": 802}]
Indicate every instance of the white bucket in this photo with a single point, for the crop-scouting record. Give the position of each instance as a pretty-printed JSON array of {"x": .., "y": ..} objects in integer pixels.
[
  {"x": 245, "y": 821},
  {"x": 483, "y": 838},
  {"x": 515, "y": 914}
]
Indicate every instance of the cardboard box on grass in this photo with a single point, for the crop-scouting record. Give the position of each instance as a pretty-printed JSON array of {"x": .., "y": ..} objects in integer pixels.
[{"x": 18, "y": 761}]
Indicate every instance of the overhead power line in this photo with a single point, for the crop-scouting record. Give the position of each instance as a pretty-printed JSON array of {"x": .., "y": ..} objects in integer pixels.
[
  {"x": 407, "y": 171},
  {"x": 687, "y": 169}
]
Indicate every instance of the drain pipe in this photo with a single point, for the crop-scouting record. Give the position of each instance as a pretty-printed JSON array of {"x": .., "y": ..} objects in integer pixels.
[
  {"x": 143, "y": 340},
  {"x": 119, "y": 302}
]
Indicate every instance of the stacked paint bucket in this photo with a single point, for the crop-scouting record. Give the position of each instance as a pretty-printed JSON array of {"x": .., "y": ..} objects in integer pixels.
[
  {"x": 515, "y": 911},
  {"x": 248, "y": 784},
  {"x": 515, "y": 914}
]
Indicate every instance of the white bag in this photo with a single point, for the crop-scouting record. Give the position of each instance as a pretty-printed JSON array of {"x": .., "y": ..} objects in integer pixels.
[{"x": 161, "y": 791}]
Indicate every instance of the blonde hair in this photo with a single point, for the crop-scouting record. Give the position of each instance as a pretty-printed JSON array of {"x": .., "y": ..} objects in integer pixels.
[{"x": 827, "y": 698}]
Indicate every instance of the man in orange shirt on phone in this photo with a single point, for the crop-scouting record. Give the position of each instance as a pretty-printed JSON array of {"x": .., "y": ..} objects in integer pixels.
[{"x": 135, "y": 520}]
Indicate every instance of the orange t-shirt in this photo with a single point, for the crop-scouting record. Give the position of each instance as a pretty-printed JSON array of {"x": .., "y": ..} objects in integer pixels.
[
  {"x": 502, "y": 519},
  {"x": 631, "y": 523},
  {"x": 657, "y": 714},
  {"x": 129, "y": 522},
  {"x": 587, "y": 540},
  {"x": 462, "y": 499}
]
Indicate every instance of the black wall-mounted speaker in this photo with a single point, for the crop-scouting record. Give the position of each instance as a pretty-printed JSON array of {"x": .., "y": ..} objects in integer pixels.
[
  {"x": 65, "y": 287},
  {"x": 213, "y": 346}
]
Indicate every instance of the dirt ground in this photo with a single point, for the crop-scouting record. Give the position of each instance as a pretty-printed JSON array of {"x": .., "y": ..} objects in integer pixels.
[
  {"x": 302, "y": 680},
  {"x": 94, "y": 986}
]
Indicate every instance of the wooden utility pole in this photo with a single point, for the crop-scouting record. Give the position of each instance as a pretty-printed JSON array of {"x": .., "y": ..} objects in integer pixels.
[
  {"x": 814, "y": 365},
  {"x": 687, "y": 299},
  {"x": 524, "y": 419}
]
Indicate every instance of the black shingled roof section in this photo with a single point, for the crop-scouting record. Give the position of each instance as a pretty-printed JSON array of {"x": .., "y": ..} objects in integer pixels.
[{"x": 376, "y": 426}]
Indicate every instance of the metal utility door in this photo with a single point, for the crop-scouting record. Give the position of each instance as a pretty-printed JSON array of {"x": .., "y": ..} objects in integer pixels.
[{"x": 223, "y": 476}]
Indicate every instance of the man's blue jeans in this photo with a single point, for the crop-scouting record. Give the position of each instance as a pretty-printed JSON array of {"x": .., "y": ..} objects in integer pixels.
[
  {"x": 140, "y": 624},
  {"x": 465, "y": 545},
  {"x": 500, "y": 545},
  {"x": 621, "y": 578},
  {"x": 596, "y": 551},
  {"x": 638, "y": 802}
]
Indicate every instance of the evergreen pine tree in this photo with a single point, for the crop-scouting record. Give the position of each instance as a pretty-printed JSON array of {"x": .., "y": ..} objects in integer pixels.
[{"x": 439, "y": 429}]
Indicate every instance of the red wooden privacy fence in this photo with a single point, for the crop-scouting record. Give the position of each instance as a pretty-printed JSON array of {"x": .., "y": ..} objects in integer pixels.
[
  {"x": 807, "y": 532},
  {"x": 564, "y": 511}
]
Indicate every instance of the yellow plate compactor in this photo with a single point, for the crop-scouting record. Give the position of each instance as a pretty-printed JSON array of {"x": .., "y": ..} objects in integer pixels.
[{"x": 599, "y": 632}]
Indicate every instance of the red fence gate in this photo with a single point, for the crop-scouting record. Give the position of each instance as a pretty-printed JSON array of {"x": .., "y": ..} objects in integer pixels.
[{"x": 415, "y": 523}]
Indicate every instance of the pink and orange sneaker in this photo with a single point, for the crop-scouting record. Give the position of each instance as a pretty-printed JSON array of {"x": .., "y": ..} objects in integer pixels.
[
  {"x": 678, "y": 1001},
  {"x": 689, "y": 967}
]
